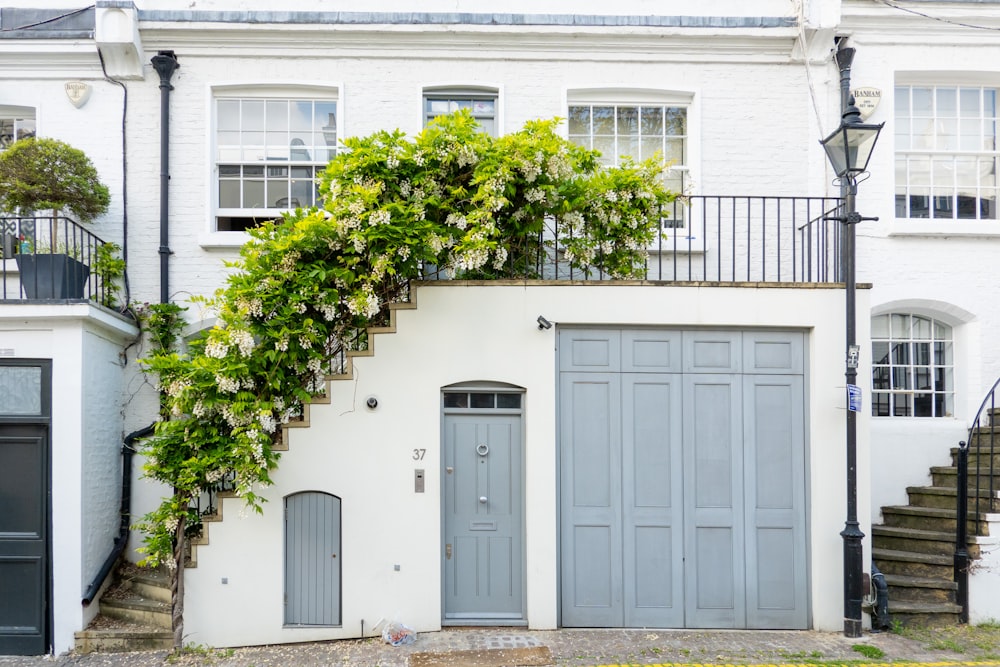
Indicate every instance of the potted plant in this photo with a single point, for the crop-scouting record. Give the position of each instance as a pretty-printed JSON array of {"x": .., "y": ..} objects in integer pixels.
[{"x": 38, "y": 174}]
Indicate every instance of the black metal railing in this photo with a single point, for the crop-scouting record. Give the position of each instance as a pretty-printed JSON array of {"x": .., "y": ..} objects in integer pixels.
[
  {"x": 45, "y": 257},
  {"x": 982, "y": 443},
  {"x": 703, "y": 238}
]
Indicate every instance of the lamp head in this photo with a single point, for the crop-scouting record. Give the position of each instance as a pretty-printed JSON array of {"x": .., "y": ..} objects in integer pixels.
[{"x": 850, "y": 146}]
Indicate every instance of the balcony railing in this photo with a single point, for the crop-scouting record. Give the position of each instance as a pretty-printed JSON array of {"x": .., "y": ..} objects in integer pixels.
[
  {"x": 715, "y": 239},
  {"x": 49, "y": 258}
]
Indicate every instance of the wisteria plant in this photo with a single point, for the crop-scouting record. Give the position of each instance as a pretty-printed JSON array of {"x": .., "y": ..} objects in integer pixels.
[{"x": 306, "y": 287}]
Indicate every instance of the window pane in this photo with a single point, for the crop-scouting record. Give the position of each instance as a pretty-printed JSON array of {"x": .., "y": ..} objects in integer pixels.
[
  {"x": 579, "y": 120},
  {"x": 880, "y": 405},
  {"x": 880, "y": 352},
  {"x": 969, "y": 103},
  {"x": 20, "y": 390},
  {"x": 508, "y": 400},
  {"x": 229, "y": 115},
  {"x": 900, "y": 353},
  {"x": 902, "y": 101},
  {"x": 923, "y": 405},
  {"x": 902, "y": 405},
  {"x": 326, "y": 119},
  {"x": 277, "y": 194},
  {"x": 606, "y": 146},
  {"x": 947, "y": 102},
  {"x": 456, "y": 400},
  {"x": 481, "y": 400},
  {"x": 649, "y": 147},
  {"x": 880, "y": 377},
  {"x": 676, "y": 121},
  {"x": 900, "y": 326},
  {"x": 880, "y": 326},
  {"x": 901, "y": 378},
  {"x": 300, "y": 117},
  {"x": 253, "y": 194},
  {"x": 628, "y": 121},
  {"x": 253, "y": 115},
  {"x": 922, "y": 353},
  {"x": 923, "y": 102},
  {"x": 604, "y": 120},
  {"x": 229, "y": 194},
  {"x": 921, "y": 328},
  {"x": 651, "y": 121},
  {"x": 277, "y": 116}
]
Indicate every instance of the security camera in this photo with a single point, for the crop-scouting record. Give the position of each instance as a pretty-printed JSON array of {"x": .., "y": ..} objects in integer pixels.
[
  {"x": 371, "y": 402},
  {"x": 543, "y": 323}
]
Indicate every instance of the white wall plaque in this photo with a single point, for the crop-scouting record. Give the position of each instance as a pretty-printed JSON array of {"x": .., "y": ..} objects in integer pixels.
[
  {"x": 78, "y": 92},
  {"x": 866, "y": 99}
]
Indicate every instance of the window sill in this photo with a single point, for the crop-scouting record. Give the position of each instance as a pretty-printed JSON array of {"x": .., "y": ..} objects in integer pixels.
[
  {"x": 939, "y": 228},
  {"x": 222, "y": 240},
  {"x": 685, "y": 245}
]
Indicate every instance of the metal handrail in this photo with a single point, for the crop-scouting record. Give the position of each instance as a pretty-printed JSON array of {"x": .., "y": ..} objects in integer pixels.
[
  {"x": 49, "y": 257},
  {"x": 961, "y": 559}
]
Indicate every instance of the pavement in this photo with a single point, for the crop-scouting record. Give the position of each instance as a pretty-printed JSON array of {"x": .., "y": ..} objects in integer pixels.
[{"x": 516, "y": 647}]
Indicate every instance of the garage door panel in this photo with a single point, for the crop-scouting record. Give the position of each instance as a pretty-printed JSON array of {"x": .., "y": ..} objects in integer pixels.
[
  {"x": 712, "y": 352},
  {"x": 711, "y": 422},
  {"x": 778, "y": 352},
  {"x": 774, "y": 442},
  {"x": 651, "y": 351},
  {"x": 653, "y": 500},
  {"x": 593, "y": 425},
  {"x": 595, "y": 351}
]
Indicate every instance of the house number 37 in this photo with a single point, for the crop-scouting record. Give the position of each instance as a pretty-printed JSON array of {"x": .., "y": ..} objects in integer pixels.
[{"x": 418, "y": 454}]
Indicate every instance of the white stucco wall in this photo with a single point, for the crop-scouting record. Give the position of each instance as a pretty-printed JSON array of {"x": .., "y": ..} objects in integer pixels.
[
  {"x": 82, "y": 341},
  {"x": 465, "y": 333}
]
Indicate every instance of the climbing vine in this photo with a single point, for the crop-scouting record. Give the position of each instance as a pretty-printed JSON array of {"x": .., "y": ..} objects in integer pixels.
[{"x": 306, "y": 287}]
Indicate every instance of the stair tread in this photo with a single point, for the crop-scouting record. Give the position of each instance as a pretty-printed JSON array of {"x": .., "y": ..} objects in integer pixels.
[
  {"x": 892, "y": 554},
  {"x": 915, "y": 533},
  {"x": 941, "y": 512},
  {"x": 949, "y": 491},
  {"x": 136, "y": 602},
  {"x": 906, "y": 581},
  {"x": 901, "y": 607}
]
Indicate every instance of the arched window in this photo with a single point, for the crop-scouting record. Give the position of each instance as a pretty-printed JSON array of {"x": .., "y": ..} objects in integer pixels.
[{"x": 913, "y": 366}]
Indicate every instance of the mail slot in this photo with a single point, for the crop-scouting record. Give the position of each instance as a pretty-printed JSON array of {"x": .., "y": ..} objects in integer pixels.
[{"x": 482, "y": 525}]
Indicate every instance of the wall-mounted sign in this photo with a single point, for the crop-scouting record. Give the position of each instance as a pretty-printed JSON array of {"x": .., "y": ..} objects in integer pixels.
[
  {"x": 866, "y": 99},
  {"x": 854, "y": 398},
  {"x": 78, "y": 93}
]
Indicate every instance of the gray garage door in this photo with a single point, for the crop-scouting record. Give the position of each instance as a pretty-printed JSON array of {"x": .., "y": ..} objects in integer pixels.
[{"x": 682, "y": 479}]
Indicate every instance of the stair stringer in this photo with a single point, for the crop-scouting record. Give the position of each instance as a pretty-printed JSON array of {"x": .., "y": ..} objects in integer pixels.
[{"x": 304, "y": 421}]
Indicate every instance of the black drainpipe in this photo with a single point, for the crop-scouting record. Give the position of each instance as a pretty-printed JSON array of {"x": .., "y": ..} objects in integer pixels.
[
  {"x": 126, "y": 514},
  {"x": 165, "y": 63}
]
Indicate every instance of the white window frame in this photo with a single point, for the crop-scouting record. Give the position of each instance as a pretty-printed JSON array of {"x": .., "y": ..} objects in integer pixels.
[
  {"x": 460, "y": 92},
  {"x": 899, "y": 373},
  {"x": 265, "y": 91},
  {"x": 686, "y": 99},
  {"x": 940, "y": 184}
]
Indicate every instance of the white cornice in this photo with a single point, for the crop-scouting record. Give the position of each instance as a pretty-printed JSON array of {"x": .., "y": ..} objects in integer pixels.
[
  {"x": 422, "y": 42},
  {"x": 45, "y": 59},
  {"x": 877, "y": 23}
]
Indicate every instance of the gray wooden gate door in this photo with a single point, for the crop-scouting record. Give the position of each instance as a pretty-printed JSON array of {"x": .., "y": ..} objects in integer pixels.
[
  {"x": 25, "y": 495},
  {"x": 483, "y": 553},
  {"x": 682, "y": 479},
  {"x": 312, "y": 559}
]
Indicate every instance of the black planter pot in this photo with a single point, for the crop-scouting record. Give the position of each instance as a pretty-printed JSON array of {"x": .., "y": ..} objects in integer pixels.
[{"x": 52, "y": 276}]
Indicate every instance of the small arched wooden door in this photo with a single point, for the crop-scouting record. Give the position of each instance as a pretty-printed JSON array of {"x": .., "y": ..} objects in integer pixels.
[{"x": 312, "y": 559}]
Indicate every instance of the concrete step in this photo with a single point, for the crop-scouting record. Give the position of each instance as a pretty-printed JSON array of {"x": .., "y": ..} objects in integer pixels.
[
  {"x": 921, "y": 589},
  {"x": 948, "y": 476},
  {"x": 146, "y": 583},
  {"x": 890, "y": 561}
]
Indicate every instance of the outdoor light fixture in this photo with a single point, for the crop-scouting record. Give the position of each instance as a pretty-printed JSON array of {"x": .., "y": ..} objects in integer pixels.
[
  {"x": 543, "y": 323},
  {"x": 849, "y": 147}
]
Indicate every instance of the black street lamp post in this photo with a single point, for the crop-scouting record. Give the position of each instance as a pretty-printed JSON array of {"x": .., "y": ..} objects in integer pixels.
[{"x": 849, "y": 148}]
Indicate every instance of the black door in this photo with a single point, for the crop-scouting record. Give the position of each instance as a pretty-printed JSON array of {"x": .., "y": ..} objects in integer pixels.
[{"x": 25, "y": 495}]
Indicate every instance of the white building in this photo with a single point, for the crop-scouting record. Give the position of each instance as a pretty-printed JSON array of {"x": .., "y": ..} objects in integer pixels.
[{"x": 738, "y": 98}]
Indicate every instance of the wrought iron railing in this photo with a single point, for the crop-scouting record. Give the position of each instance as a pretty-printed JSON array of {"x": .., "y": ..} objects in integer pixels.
[
  {"x": 706, "y": 238},
  {"x": 45, "y": 257},
  {"x": 980, "y": 484}
]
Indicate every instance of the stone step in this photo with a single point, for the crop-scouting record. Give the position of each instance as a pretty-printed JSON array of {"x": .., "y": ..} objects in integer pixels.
[
  {"x": 916, "y": 540},
  {"x": 947, "y": 476},
  {"x": 124, "y": 639},
  {"x": 906, "y": 563},
  {"x": 129, "y": 606},
  {"x": 920, "y": 614},
  {"x": 928, "y": 518},
  {"x": 146, "y": 583},
  {"x": 921, "y": 589},
  {"x": 946, "y": 497}
]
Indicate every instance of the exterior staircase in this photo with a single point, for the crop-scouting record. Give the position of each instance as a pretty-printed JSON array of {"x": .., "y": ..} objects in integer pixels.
[
  {"x": 134, "y": 615},
  {"x": 915, "y": 546}
]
